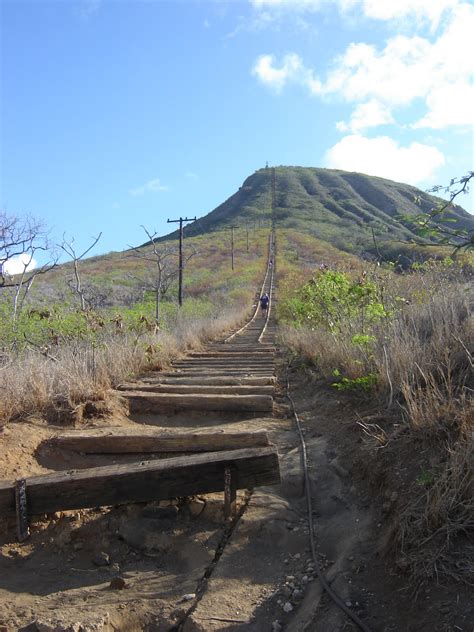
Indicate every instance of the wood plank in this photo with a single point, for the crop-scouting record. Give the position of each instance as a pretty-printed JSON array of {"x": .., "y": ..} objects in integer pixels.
[
  {"x": 201, "y": 389},
  {"x": 140, "y": 402},
  {"x": 144, "y": 481},
  {"x": 185, "y": 378},
  {"x": 123, "y": 441}
]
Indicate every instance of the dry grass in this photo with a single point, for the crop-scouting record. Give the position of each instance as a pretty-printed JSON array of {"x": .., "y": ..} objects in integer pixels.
[
  {"x": 422, "y": 361},
  {"x": 77, "y": 371}
]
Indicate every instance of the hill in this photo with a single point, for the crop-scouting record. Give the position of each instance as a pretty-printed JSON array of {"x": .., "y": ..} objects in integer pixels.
[{"x": 345, "y": 209}]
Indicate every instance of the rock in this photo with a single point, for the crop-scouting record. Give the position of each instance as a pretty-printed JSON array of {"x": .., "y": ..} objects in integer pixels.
[
  {"x": 297, "y": 594},
  {"x": 101, "y": 559},
  {"x": 117, "y": 583},
  {"x": 348, "y": 604},
  {"x": 276, "y": 626},
  {"x": 287, "y": 607},
  {"x": 304, "y": 579},
  {"x": 297, "y": 556},
  {"x": 196, "y": 507},
  {"x": 290, "y": 578},
  {"x": 115, "y": 568},
  {"x": 189, "y": 597}
]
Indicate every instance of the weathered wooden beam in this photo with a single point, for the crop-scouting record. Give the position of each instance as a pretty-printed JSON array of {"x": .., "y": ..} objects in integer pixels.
[
  {"x": 185, "y": 378},
  {"x": 143, "y": 481},
  {"x": 200, "y": 389},
  {"x": 123, "y": 441},
  {"x": 140, "y": 402}
]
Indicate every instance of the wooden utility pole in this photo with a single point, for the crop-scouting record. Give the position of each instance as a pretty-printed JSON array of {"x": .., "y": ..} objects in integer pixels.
[
  {"x": 181, "y": 221},
  {"x": 232, "y": 243}
]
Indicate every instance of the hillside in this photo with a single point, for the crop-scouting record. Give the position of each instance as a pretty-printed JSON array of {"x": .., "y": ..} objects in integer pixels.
[{"x": 336, "y": 206}]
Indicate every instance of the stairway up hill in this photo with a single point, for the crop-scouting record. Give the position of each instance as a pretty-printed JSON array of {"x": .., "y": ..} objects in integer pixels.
[{"x": 340, "y": 207}]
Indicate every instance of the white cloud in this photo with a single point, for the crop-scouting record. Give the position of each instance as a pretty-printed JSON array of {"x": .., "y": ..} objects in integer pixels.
[
  {"x": 152, "y": 186},
  {"x": 405, "y": 70},
  {"x": 383, "y": 156},
  {"x": 449, "y": 105},
  {"x": 16, "y": 265},
  {"x": 291, "y": 70},
  {"x": 190, "y": 175},
  {"x": 369, "y": 114}
]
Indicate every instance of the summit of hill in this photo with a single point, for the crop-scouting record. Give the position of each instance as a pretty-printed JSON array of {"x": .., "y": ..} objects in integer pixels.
[{"x": 344, "y": 208}]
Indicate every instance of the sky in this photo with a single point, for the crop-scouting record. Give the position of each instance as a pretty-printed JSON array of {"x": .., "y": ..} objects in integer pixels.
[{"x": 116, "y": 114}]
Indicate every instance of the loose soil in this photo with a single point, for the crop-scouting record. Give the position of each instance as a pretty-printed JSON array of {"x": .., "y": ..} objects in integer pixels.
[{"x": 177, "y": 566}]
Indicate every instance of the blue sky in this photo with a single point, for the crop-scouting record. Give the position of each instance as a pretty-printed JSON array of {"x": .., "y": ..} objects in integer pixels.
[{"x": 121, "y": 113}]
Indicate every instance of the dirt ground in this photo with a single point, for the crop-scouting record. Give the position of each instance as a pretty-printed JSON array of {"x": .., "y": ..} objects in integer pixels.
[{"x": 174, "y": 565}]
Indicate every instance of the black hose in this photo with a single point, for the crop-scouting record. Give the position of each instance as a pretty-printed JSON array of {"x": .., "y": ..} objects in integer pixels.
[{"x": 334, "y": 596}]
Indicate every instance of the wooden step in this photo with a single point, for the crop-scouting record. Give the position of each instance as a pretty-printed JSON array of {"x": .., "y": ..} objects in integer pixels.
[
  {"x": 140, "y": 402},
  {"x": 158, "y": 479},
  {"x": 198, "y": 389},
  {"x": 226, "y": 380},
  {"x": 124, "y": 441}
]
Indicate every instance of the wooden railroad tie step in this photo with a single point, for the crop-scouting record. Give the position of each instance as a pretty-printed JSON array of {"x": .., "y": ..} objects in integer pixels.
[
  {"x": 141, "y": 402},
  {"x": 122, "y": 441},
  {"x": 143, "y": 481},
  {"x": 224, "y": 380},
  {"x": 199, "y": 389}
]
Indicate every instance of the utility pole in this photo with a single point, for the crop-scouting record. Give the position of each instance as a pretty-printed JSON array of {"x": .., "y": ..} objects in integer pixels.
[
  {"x": 181, "y": 221},
  {"x": 232, "y": 243}
]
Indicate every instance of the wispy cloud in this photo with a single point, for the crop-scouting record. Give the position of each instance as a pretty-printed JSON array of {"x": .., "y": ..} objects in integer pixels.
[
  {"x": 152, "y": 186},
  {"x": 190, "y": 175},
  {"x": 86, "y": 8},
  {"x": 417, "y": 12}
]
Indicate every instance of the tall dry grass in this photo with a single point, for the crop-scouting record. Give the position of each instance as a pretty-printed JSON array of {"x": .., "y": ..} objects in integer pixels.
[
  {"x": 421, "y": 359},
  {"x": 77, "y": 371}
]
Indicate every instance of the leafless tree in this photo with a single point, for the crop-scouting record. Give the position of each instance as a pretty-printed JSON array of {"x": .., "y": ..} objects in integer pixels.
[
  {"x": 21, "y": 239},
  {"x": 76, "y": 285},
  {"x": 161, "y": 269}
]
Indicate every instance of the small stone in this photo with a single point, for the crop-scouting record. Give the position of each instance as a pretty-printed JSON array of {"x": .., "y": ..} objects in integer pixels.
[
  {"x": 351, "y": 558},
  {"x": 290, "y": 578},
  {"x": 304, "y": 579},
  {"x": 348, "y": 604},
  {"x": 297, "y": 556},
  {"x": 286, "y": 561},
  {"x": 115, "y": 568},
  {"x": 297, "y": 594},
  {"x": 287, "y": 607},
  {"x": 276, "y": 626},
  {"x": 118, "y": 583},
  {"x": 189, "y": 597},
  {"x": 101, "y": 559}
]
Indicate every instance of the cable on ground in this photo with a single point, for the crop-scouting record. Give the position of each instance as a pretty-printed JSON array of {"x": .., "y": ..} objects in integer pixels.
[{"x": 332, "y": 594}]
